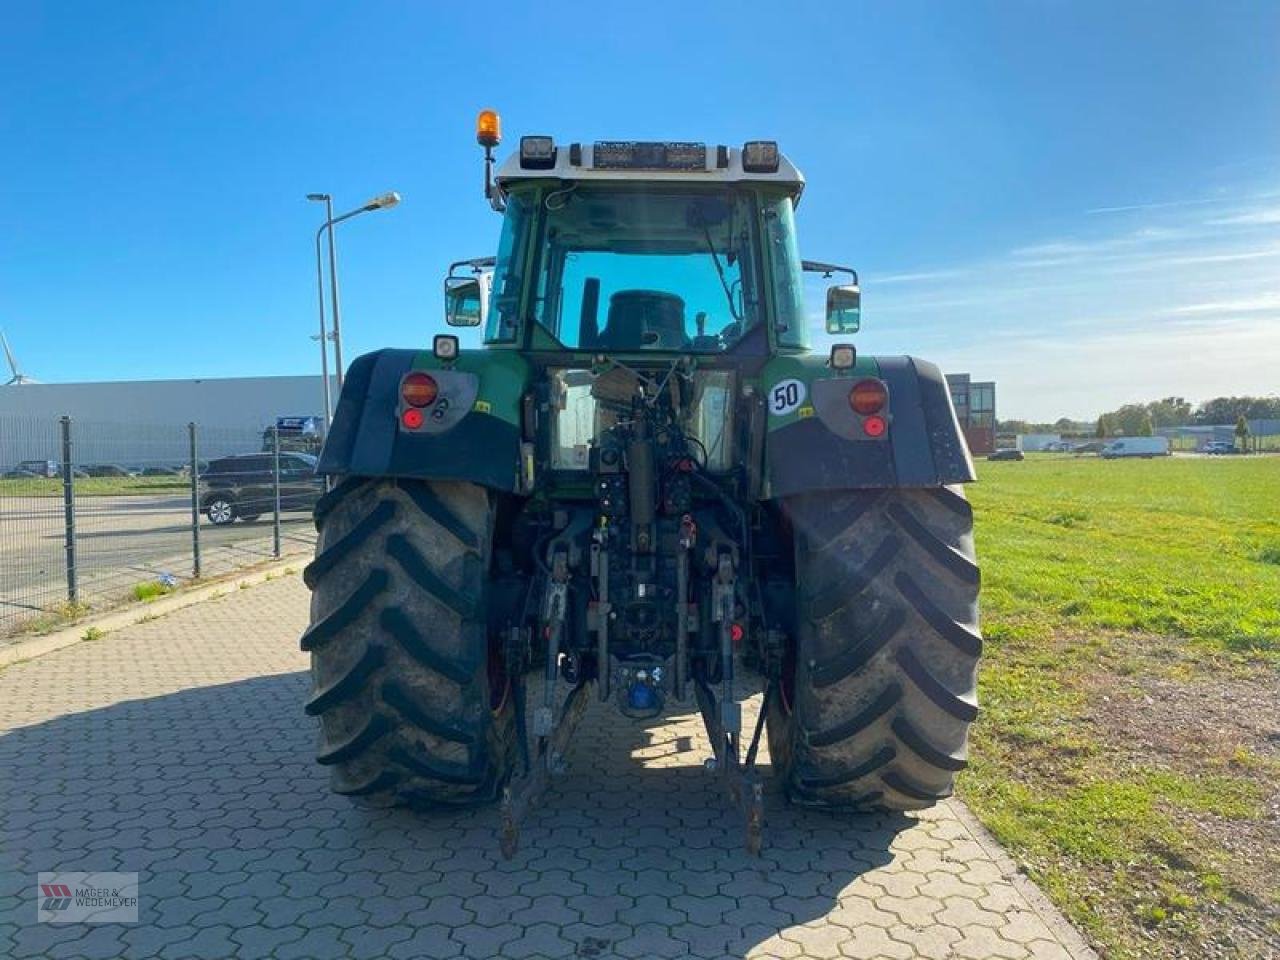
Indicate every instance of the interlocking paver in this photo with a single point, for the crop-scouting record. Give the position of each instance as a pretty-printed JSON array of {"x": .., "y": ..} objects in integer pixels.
[
  {"x": 983, "y": 943},
  {"x": 178, "y": 748},
  {"x": 319, "y": 943},
  {"x": 427, "y": 943},
  {"x": 933, "y": 942},
  {"x": 540, "y": 939}
]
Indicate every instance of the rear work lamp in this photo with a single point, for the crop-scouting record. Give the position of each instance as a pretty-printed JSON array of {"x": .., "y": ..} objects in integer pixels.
[
  {"x": 843, "y": 356},
  {"x": 760, "y": 156},
  {"x": 537, "y": 153},
  {"x": 445, "y": 346}
]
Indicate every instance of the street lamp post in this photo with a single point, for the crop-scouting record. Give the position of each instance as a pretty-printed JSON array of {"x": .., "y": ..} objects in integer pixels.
[
  {"x": 324, "y": 334},
  {"x": 382, "y": 202}
]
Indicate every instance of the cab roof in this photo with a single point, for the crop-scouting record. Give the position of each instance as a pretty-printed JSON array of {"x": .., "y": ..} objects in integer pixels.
[{"x": 651, "y": 162}]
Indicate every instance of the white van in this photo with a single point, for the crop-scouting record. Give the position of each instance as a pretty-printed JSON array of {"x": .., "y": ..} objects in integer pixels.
[{"x": 1136, "y": 447}]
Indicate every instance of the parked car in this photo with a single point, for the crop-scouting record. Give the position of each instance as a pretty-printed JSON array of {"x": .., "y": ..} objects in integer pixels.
[
  {"x": 1010, "y": 454},
  {"x": 1092, "y": 446},
  {"x": 1218, "y": 448},
  {"x": 19, "y": 474},
  {"x": 160, "y": 472},
  {"x": 243, "y": 487},
  {"x": 106, "y": 470},
  {"x": 36, "y": 468},
  {"x": 1136, "y": 447}
]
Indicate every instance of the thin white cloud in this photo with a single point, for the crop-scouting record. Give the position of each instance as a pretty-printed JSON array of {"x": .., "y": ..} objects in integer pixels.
[
  {"x": 1249, "y": 218},
  {"x": 1269, "y": 301},
  {"x": 1167, "y": 303},
  {"x": 1157, "y": 205},
  {"x": 925, "y": 276}
]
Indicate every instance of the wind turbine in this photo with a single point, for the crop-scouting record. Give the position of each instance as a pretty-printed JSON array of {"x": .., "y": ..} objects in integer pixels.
[{"x": 19, "y": 378}]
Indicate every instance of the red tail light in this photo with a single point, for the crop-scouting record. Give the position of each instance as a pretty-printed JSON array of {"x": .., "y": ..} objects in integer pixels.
[
  {"x": 868, "y": 396},
  {"x": 419, "y": 389},
  {"x": 412, "y": 418},
  {"x": 874, "y": 426}
]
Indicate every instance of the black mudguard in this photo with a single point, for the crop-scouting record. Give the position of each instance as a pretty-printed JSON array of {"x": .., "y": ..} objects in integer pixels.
[
  {"x": 924, "y": 446},
  {"x": 366, "y": 439}
]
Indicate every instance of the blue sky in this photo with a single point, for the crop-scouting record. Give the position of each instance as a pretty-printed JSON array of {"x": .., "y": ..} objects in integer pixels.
[{"x": 1079, "y": 200}]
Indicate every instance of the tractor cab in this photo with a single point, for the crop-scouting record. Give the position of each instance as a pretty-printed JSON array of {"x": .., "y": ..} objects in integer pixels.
[{"x": 643, "y": 248}]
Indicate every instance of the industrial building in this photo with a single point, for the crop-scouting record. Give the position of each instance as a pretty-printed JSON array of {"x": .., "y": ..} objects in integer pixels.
[
  {"x": 975, "y": 404},
  {"x": 132, "y": 422}
]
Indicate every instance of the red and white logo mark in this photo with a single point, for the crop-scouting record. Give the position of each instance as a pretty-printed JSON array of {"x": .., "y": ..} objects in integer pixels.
[{"x": 57, "y": 896}]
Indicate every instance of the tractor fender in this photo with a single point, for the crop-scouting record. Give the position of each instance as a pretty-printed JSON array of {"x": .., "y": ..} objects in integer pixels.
[
  {"x": 815, "y": 443},
  {"x": 477, "y": 441}
]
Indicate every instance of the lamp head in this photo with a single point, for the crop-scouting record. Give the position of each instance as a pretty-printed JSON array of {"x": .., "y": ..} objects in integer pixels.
[{"x": 383, "y": 201}]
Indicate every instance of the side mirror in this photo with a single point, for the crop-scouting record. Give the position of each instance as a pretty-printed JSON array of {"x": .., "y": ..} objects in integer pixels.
[
  {"x": 465, "y": 301},
  {"x": 844, "y": 309}
]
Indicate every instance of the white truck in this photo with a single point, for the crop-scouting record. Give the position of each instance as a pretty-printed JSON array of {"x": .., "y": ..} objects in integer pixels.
[{"x": 1136, "y": 447}]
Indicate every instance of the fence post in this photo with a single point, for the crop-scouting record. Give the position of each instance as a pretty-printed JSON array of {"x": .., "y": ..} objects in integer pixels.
[
  {"x": 195, "y": 503},
  {"x": 275, "y": 471},
  {"x": 69, "y": 510}
]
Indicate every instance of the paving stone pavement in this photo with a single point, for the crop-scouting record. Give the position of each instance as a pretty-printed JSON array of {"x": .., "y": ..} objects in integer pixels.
[{"x": 178, "y": 749}]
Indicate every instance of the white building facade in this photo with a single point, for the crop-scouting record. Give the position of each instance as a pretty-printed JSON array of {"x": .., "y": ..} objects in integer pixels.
[{"x": 139, "y": 422}]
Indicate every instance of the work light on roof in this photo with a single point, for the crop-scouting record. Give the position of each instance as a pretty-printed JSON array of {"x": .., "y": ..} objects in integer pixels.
[
  {"x": 537, "y": 153},
  {"x": 760, "y": 156}
]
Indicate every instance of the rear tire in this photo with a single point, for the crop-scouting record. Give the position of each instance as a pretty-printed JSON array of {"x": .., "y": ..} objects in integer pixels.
[
  {"x": 413, "y": 700},
  {"x": 879, "y": 686}
]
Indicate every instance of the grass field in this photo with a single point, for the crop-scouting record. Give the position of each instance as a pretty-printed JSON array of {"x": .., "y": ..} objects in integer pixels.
[
  {"x": 92, "y": 486},
  {"x": 1129, "y": 747}
]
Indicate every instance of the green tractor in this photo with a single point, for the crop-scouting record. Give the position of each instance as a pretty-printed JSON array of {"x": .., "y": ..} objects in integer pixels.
[{"x": 647, "y": 488}]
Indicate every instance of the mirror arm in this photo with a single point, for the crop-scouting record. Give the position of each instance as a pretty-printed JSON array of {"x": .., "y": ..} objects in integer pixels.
[
  {"x": 477, "y": 264},
  {"x": 827, "y": 269}
]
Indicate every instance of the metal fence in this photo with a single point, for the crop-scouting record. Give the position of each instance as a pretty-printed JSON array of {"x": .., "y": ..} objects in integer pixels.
[{"x": 96, "y": 514}]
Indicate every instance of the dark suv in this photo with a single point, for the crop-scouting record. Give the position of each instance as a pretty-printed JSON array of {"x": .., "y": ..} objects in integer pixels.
[{"x": 244, "y": 486}]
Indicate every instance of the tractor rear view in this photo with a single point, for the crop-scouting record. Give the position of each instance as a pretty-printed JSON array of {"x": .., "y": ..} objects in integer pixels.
[{"x": 642, "y": 481}]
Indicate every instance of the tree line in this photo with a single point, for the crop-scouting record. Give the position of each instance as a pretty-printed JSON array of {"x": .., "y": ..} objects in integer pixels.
[{"x": 1141, "y": 419}]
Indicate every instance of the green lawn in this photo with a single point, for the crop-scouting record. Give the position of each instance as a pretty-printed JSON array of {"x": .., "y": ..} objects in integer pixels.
[
  {"x": 1128, "y": 607},
  {"x": 92, "y": 486}
]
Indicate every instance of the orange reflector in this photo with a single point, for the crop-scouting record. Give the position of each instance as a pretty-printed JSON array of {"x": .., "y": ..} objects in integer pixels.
[
  {"x": 874, "y": 426},
  {"x": 412, "y": 418},
  {"x": 868, "y": 396},
  {"x": 488, "y": 128},
  {"x": 419, "y": 389}
]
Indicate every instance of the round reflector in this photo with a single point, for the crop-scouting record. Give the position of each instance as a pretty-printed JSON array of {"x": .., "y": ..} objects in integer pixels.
[
  {"x": 412, "y": 418},
  {"x": 873, "y": 426},
  {"x": 868, "y": 396},
  {"x": 419, "y": 389}
]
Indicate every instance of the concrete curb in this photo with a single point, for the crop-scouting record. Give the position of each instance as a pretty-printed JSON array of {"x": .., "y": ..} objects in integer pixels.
[
  {"x": 1071, "y": 939},
  {"x": 28, "y": 648}
]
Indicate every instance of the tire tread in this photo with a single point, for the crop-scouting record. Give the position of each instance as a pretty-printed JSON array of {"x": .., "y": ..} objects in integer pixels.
[{"x": 886, "y": 650}]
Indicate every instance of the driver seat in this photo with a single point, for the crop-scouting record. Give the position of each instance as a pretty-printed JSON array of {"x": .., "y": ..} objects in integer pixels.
[{"x": 644, "y": 320}]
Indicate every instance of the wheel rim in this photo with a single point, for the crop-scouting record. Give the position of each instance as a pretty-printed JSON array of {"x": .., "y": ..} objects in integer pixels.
[{"x": 220, "y": 511}]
